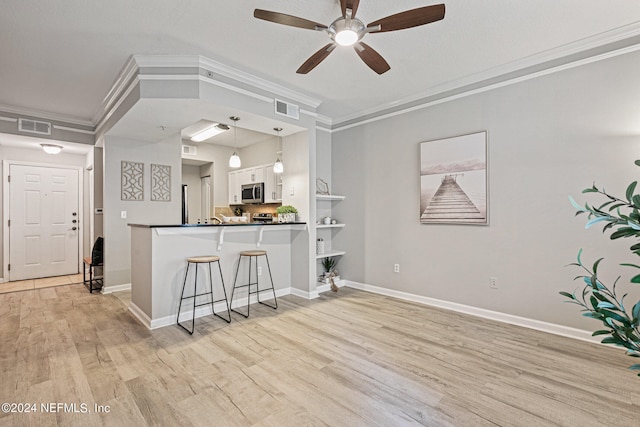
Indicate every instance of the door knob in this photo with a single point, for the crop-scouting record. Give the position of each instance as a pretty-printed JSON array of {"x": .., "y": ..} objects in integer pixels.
[
  {"x": 74, "y": 228},
  {"x": 74, "y": 214},
  {"x": 74, "y": 221}
]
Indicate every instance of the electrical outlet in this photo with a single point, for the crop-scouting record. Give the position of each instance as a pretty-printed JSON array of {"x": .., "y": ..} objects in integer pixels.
[
  {"x": 123, "y": 214},
  {"x": 396, "y": 268},
  {"x": 493, "y": 283},
  {"x": 259, "y": 271}
]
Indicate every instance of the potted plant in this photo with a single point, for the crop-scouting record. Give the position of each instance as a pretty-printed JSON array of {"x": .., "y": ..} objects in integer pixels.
[
  {"x": 286, "y": 213},
  {"x": 601, "y": 302},
  {"x": 330, "y": 272},
  {"x": 329, "y": 263}
]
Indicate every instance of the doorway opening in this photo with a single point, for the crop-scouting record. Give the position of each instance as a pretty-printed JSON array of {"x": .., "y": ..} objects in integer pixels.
[{"x": 43, "y": 233}]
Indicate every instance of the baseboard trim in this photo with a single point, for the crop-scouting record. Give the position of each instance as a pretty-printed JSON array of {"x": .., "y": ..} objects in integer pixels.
[
  {"x": 202, "y": 311},
  {"x": 140, "y": 315},
  {"x": 304, "y": 294},
  {"x": 116, "y": 288},
  {"x": 538, "y": 325},
  {"x": 327, "y": 287}
]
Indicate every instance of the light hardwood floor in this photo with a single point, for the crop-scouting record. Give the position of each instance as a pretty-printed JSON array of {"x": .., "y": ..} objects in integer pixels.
[
  {"x": 345, "y": 359},
  {"x": 45, "y": 282}
]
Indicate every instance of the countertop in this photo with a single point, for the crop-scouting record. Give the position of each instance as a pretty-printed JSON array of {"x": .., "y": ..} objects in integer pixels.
[{"x": 237, "y": 224}]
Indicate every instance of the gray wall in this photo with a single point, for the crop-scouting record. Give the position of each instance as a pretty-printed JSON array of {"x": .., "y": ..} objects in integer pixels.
[
  {"x": 549, "y": 137},
  {"x": 116, "y": 231}
]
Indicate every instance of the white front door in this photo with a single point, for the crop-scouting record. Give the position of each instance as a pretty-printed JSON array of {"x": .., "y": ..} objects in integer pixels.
[{"x": 44, "y": 222}]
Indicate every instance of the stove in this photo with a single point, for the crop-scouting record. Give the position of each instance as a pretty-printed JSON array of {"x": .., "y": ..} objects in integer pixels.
[{"x": 263, "y": 217}]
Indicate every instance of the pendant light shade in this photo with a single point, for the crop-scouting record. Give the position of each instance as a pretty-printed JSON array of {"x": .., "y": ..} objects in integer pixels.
[
  {"x": 234, "y": 160},
  {"x": 278, "y": 167}
]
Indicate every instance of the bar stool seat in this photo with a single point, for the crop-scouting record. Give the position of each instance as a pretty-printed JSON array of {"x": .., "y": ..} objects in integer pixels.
[
  {"x": 251, "y": 254},
  {"x": 206, "y": 259},
  {"x": 203, "y": 259}
]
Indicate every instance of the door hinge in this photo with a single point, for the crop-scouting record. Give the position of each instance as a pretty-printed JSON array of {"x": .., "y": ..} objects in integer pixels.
[
  {"x": 8, "y": 223},
  {"x": 8, "y": 178},
  {"x": 9, "y": 269}
]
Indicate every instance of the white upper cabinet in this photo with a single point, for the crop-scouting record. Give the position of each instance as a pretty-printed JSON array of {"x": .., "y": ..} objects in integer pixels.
[{"x": 272, "y": 185}]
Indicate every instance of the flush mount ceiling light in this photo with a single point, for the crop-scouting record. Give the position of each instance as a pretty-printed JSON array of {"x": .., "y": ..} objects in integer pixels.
[
  {"x": 210, "y": 131},
  {"x": 51, "y": 148},
  {"x": 278, "y": 167},
  {"x": 234, "y": 160}
]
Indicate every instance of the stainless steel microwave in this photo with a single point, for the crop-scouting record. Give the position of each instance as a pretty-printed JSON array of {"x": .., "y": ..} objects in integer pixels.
[{"x": 253, "y": 193}]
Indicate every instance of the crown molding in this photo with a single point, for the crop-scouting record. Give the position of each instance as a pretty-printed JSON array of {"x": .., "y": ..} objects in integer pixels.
[
  {"x": 235, "y": 74},
  {"x": 503, "y": 74},
  {"x": 120, "y": 86},
  {"x": 45, "y": 116}
]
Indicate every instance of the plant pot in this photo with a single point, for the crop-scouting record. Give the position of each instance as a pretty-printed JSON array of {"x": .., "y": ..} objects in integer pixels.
[{"x": 287, "y": 217}]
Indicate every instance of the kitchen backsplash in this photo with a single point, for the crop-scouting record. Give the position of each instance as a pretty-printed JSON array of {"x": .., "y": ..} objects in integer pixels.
[{"x": 252, "y": 209}]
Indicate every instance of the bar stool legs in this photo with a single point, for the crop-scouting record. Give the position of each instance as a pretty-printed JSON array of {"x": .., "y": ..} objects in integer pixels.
[
  {"x": 196, "y": 261},
  {"x": 257, "y": 291}
]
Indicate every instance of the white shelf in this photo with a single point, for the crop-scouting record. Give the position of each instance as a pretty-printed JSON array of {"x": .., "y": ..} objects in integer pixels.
[
  {"x": 329, "y": 254},
  {"x": 330, "y": 225},
  {"x": 329, "y": 197}
]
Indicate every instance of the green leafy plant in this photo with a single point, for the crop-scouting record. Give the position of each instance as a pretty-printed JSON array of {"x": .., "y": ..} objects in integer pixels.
[
  {"x": 329, "y": 263},
  {"x": 598, "y": 301},
  {"x": 284, "y": 209}
]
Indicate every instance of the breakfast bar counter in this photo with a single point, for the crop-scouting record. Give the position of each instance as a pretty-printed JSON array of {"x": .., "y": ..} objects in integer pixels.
[{"x": 159, "y": 253}]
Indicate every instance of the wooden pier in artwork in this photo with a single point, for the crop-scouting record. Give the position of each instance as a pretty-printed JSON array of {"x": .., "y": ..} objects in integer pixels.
[{"x": 451, "y": 204}]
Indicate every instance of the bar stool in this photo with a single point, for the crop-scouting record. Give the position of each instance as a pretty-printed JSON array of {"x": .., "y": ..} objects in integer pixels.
[
  {"x": 202, "y": 260},
  {"x": 253, "y": 254}
]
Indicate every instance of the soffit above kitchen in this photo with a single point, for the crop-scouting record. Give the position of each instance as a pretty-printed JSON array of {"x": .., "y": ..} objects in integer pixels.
[{"x": 61, "y": 58}]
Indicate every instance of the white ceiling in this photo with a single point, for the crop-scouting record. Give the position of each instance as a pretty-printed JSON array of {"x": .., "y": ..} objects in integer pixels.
[{"x": 62, "y": 57}]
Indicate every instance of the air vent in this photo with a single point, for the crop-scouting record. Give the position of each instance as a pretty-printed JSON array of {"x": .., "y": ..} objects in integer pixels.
[
  {"x": 33, "y": 126},
  {"x": 286, "y": 109},
  {"x": 189, "y": 150}
]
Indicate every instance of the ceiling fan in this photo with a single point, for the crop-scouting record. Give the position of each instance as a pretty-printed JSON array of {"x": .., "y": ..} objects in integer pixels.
[{"x": 348, "y": 30}]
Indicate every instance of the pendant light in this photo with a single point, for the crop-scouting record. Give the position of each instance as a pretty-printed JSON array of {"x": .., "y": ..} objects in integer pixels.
[
  {"x": 234, "y": 160},
  {"x": 278, "y": 167}
]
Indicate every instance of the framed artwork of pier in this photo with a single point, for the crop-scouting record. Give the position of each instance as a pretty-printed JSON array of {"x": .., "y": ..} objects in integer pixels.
[{"x": 453, "y": 180}]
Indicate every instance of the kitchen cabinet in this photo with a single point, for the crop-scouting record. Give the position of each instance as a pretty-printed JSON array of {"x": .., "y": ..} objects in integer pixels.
[
  {"x": 234, "y": 188},
  {"x": 253, "y": 175},
  {"x": 272, "y": 185}
]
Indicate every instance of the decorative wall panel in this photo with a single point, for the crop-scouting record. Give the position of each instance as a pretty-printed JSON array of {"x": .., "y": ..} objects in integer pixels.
[
  {"x": 160, "y": 183},
  {"x": 132, "y": 180}
]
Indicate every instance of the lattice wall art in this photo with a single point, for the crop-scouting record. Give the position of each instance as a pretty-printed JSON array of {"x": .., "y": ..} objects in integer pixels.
[
  {"x": 160, "y": 183},
  {"x": 132, "y": 180}
]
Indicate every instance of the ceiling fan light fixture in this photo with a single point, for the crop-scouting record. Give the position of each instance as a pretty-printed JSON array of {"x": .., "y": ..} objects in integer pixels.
[
  {"x": 346, "y": 32},
  {"x": 346, "y": 37}
]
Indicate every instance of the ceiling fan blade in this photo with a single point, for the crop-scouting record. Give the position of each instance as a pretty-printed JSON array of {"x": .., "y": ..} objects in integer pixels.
[
  {"x": 409, "y": 18},
  {"x": 349, "y": 4},
  {"x": 316, "y": 58},
  {"x": 372, "y": 58},
  {"x": 292, "y": 21}
]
